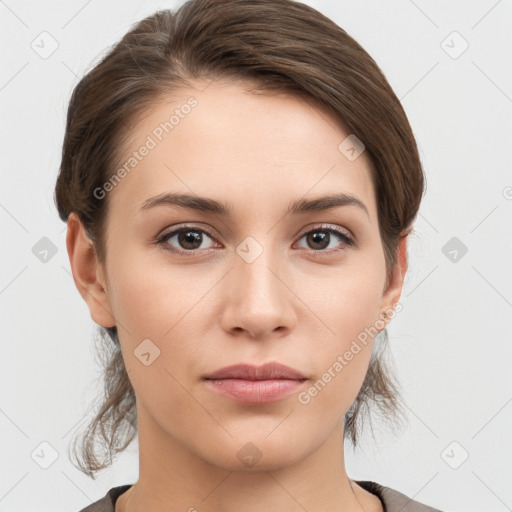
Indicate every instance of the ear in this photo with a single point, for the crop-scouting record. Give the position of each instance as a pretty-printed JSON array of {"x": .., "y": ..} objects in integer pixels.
[
  {"x": 87, "y": 272},
  {"x": 393, "y": 290}
]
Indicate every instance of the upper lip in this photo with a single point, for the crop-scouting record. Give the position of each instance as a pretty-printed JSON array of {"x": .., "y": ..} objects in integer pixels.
[{"x": 266, "y": 371}]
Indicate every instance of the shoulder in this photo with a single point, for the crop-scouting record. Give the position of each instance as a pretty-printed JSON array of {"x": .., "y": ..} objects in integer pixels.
[
  {"x": 107, "y": 503},
  {"x": 394, "y": 501}
]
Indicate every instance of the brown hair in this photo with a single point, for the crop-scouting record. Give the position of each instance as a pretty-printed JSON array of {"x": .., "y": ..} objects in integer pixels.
[{"x": 278, "y": 45}]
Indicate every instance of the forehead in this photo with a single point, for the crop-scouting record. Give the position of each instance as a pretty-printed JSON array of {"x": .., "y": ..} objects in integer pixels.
[{"x": 221, "y": 141}]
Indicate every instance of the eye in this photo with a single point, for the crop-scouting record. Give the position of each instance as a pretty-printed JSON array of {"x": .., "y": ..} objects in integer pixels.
[
  {"x": 322, "y": 238},
  {"x": 188, "y": 238}
]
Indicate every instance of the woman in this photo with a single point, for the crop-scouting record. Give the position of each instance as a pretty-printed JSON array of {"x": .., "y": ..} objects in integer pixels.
[{"x": 239, "y": 180}]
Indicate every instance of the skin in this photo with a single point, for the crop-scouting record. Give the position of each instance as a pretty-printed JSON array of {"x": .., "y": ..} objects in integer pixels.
[{"x": 293, "y": 304}]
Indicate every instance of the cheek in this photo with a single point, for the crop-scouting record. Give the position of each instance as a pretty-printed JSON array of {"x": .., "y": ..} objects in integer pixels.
[
  {"x": 341, "y": 361},
  {"x": 347, "y": 308},
  {"x": 155, "y": 304},
  {"x": 169, "y": 307},
  {"x": 149, "y": 298},
  {"x": 345, "y": 300}
]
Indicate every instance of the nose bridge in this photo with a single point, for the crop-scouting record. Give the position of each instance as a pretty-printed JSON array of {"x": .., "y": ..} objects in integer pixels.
[
  {"x": 255, "y": 267},
  {"x": 259, "y": 301}
]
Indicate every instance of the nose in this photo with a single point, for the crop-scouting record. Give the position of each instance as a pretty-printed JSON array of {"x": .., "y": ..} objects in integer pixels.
[{"x": 258, "y": 300}]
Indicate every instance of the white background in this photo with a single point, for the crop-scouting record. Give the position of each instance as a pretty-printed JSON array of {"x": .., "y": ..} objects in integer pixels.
[{"x": 451, "y": 343}]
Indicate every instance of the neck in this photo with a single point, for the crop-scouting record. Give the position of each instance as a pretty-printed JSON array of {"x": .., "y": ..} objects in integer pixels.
[{"x": 174, "y": 479}]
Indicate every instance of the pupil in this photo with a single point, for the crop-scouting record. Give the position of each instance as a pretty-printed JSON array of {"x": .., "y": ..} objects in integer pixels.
[
  {"x": 320, "y": 237},
  {"x": 188, "y": 238}
]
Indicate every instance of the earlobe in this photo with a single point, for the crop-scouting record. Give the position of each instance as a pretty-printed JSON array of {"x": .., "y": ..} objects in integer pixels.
[{"x": 87, "y": 272}]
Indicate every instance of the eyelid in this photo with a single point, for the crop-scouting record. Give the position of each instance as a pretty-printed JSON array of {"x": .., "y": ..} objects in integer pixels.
[{"x": 330, "y": 227}]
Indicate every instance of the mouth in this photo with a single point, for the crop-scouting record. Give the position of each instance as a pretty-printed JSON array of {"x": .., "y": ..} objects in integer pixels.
[{"x": 255, "y": 384}]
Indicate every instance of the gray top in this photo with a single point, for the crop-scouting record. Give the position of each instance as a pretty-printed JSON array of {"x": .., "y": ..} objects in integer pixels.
[{"x": 392, "y": 501}]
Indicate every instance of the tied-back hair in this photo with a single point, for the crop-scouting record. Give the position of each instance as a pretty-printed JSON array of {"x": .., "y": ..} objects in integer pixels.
[{"x": 277, "y": 46}]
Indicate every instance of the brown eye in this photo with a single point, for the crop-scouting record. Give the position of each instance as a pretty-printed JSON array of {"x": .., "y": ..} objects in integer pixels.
[
  {"x": 186, "y": 239},
  {"x": 190, "y": 240},
  {"x": 327, "y": 238}
]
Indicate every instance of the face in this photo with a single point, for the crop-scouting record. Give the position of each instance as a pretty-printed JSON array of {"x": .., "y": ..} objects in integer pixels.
[{"x": 193, "y": 290}]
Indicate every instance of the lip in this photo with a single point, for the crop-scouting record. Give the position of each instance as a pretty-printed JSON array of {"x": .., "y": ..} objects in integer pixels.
[
  {"x": 266, "y": 371},
  {"x": 255, "y": 384}
]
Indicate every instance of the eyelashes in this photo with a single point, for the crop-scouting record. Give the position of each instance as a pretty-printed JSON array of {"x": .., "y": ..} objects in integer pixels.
[{"x": 183, "y": 236}]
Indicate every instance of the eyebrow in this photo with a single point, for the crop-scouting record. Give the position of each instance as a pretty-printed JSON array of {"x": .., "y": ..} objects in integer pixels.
[{"x": 208, "y": 205}]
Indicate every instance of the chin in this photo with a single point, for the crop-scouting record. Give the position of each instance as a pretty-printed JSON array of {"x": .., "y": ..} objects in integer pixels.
[{"x": 255, "y": 453}]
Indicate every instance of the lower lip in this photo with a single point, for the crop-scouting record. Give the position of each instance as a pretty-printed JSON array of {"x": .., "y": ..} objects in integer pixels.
[{"x": 255, "y": 391}]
